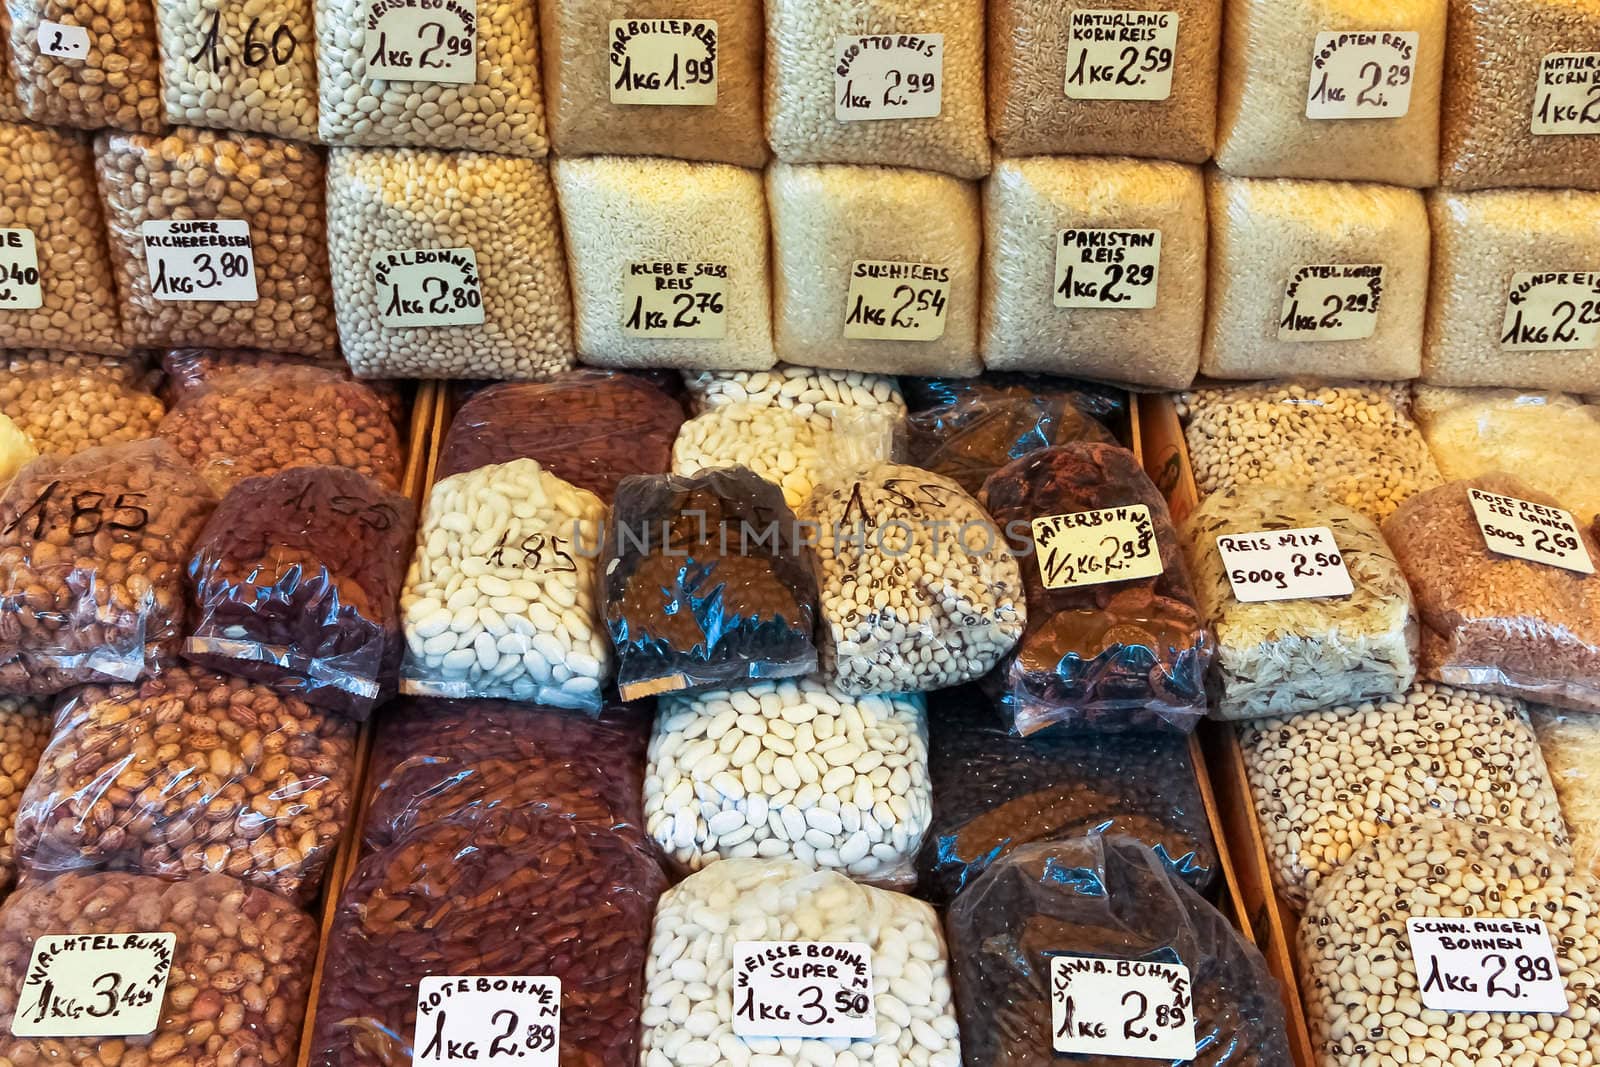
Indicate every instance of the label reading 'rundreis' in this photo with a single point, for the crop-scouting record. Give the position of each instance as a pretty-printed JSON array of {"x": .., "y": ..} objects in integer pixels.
[
  {"x": 1121, "y": 55},
  {"x": 1361, "y": 75},
  {"x": 199, "y": 260},
  {"x": 1106, "y": 1007},
  {"x": 668, "y": 62},
  {"x": 464, "y": 1022},
  {"x": 1332, "y": 302},
  {"x": 888, "y": 76},
  {"x": 803, "y": 989},
  {"x": 94, "y": 985},
  {"x": 1567, "y": 98},
  {"x": 1534, "y": 532},
  {"x": 896, "y": 301},
  {"x": 1100, "y": 268},
  {"x": 681, "y": 301},
  {"x": 1552, "y": 311},
  {"x": 1095, "y": 547},
  {"x": 1472, "y": 965},
  {"x": 423, "y": 40},
  {"x": 19, "y": 270}
]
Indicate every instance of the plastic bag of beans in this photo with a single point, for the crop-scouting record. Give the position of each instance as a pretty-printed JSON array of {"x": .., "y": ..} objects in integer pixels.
[
  {"x": 234, "y": 991},
  {"x": 787, "y": 449},
  {"x": 243, "y": 67},
  {"x": 671, "y": 79},
  {"x": 520, "y": 892},
  {"x": 87, "y": 63},
  {"x": 971, "y": 439},
  {"x": 188, "y": 773},
  {"x": 1491, "y": 620},
  {"x": 135, "y": 368},
  {"x": 813, "y": 392},
  {"x": 64, "y": 410},
  {"x": 439, "y": 761},
  {"x": 994, "y": 792},
  {"x": 92, "y": 554},
  {"x": 1114, "y": 639},
  {"x": 270, "y": 419},
  {"x": 588, "y": 427},
  {"x": 1571, "y": 747},
  {"x": 500, "y": 600},
  {"x": 1104, "y": 402},
  {"x": 24, "y": 733},
  {"x": 57, "y": 287},
  {"x": 192, "y": 370},
  {"x": 218, "y": 240},
  {"x": 16, "y": 449},
  {"x": 1053, "y": 920},
  {"x": 296, "y": 585},
  {"x": 707, "y": 584},
  {"x": 10, "y": 105}
]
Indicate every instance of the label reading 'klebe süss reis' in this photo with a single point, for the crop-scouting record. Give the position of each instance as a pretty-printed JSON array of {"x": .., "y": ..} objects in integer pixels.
[{"x": 672, "y": 300}]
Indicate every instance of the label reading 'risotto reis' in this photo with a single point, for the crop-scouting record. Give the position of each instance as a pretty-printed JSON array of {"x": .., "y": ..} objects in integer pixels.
[
  {"x": 894, "y": 301},
  {"x": 888, "y": 76}
]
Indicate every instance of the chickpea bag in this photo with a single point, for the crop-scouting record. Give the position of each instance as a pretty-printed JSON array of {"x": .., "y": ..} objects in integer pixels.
[
  {"x": 190, "y": 370},
  {"x": 190, "y": 773},
  {"x": 24, "y": 733},
  {"x": 65, "y": 409},
  {"x": 87, "y": 63},
  {"x": 92, "y": 554}
]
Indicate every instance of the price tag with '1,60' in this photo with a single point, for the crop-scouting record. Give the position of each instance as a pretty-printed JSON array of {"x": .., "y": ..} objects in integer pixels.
[
  {"x": 1284, "y": 565},
  {"x": 428, "y": 287},
  {"x": 94, "y": 985},
  {"x": 1110, "y": 1007},
  {"x": 803, "y": 989},
  {"x": 502, "y": 1019}
]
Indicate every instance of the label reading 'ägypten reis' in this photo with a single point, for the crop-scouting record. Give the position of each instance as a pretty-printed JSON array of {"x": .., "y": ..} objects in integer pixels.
[
  {"x": 94, "y": 985},
  {"x": 1095, "y": 547},
  {"x": 803, "y": 989},
  {"x": 1121, "y": 55},
  {"x": 1534, "y": 532},
  {"x": 428, "y": 287},
  {"x": 1567, "y": 98},
  {"x": 679, "y": 301},
  {"x": 19, "y": 270},
  {"x": 888, "y": 76},
  {"x": 1470, "y": 965},
  {"x": 663, "y": 62},
  {"x": 1552, "y": 311},
  {"x": 1361, "y": 75},
  {"x": 422, "y": 40},
  {"x": 1100, "y": 268},
  {"x": 465, "y": 1022},
  {"x": 891, "y": 300},
  {"x": 1273, "y": 565},
  {"x": 1108, "y": 1007},
  {"x": 1331, "y": 302},
  {"x": 200, "y": 260}
]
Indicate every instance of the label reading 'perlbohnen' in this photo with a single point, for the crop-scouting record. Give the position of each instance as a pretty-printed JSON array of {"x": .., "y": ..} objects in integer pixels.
[
  {"x": 1361, "y": 75},
  {"x": 1534, "y": 532},
  {"x": 1100, "y": 268},
  {"x": 667, "y": 62},
  {"x": 896, "y": 301},
  {"x": 888, "y": 76},
  {"x": 1472, "y": 965},
  {"x": 199, "y": 260},
  {"x": 428, "y": 287},
  {"x": 1271, "y": 565},
  {"x": 19, "y": 270},
  {"x": 803, "y": 989},
  {"x": 422, "y": 40},
  {"x": 94, "y": 985},
  {"x": 465, "y": 1022},
  {"x": 63, "y": 40},
  {"x": 1095, "y": 547},
  {"x": 680, "y": 301},
  {"x": 1331, "y": 302},
  {"x": 1552, "y": 311},
  {"x": 1567, "y": 98},
  {"x": 1106, "y": 1007},
  {"x": 1121, "y": 55}
]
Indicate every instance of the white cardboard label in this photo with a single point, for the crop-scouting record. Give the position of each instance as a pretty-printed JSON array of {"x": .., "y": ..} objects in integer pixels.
[
  {"x": 465, "y": 1022},
  {"x": 1121, "y": 55},
  {"x": 1468, "y": 965},
  {"x": 1095, "y": 547},
  {"x": 670, "y": 62},
  {"x": 94, "y": 985},
  {"x": 888, "y": 76},
  {"x": 19, "y": 270},
  {"x": 1296, "y": 564},
  {"x": 1361, "y": 74},
  {"x": 1552, "y": 311},
  {"x": 896, "y": 301},
  {"x": 1104, "y": 1007},
  {"x": 1530, "y": 531},
  {"x": 428, "y": 287},
  {"x": 803, "y": 989},
  {"x": 63, "y": 40},
  {"x": 202, "y": 260},
  {"x": 422, "y": 40},
  {"x": 686, "y": 301},
  {"x": 1098, "y": 268},
  {"x": 1567, "y": 98},
  {"x": 1332, "y": 302}
]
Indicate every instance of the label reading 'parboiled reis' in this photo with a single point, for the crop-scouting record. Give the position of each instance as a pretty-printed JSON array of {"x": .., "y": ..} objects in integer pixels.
[{"x": 665, "y": 62}]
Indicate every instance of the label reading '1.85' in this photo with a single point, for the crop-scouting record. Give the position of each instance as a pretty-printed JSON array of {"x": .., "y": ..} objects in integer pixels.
[
  {"x": 888, "y": 76},
  {"x": 1121, "y": 55},
  {"x": 1098, "y": 268},
  {"x": 1102, "y": 1007},
  {"x": 1095, "y": 547},
  {"x": 202, "y": 259},
  {"x": 896, "y": 301},
  {"x": 670, "y": 62},
  {"x": 428, "y": 287},
  {"x": 423, "y": 40},
  {"x": 684, "y": 301},
  {"x": 1553, "y": 311},
  {"x": 94, "y": 985},
  {"x": 465, "y": 1022}
]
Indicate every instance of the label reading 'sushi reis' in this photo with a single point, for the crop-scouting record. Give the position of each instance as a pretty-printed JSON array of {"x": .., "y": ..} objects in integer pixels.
[
  {"x": 19, "y": 270},
  {"x": 1554, "y": 311},
  {"x": 1284, "y": 565},
  {"x": 1101, "y": 1007},
  {"x": 1534, "y": 532},
  {"x": 463, "y": 1022},
  {"x": 94, "y": 985},
  {"x": 1121, "y": 55},
  {"x": 1095, "y": 547},
  {"x": 1098, "y": 268},
  {"x": 428, "y": 287},
  {"x": 682, "y": 301},
  {"x": 1361, "y": 75},
  {"x": 423, "y": 40},
  {"x": 1471, "y": 965},
  {"x": 668, "y": 62},
  {"x": 888, "y": 76},
  {"x": 803, "y": 989},
  {"x": 1332, "y": 302},
  {"x": 1567, "y": 98},
  {"x": 204, "y": 259},
  {"x": 895, "y": 301}
]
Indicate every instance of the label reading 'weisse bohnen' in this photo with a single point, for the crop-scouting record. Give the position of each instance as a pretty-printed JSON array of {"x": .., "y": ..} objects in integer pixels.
[{"x": 663, "y": 62}]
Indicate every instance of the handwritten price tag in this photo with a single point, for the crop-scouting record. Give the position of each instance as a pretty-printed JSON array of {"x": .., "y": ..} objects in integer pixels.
[
  {"x": 1567, "y": 99},
  {"x": 1095, "y": 547},
  {"x": 428, "y": 287},
  {"x": 888, "y": 76},
  {"x": 1530, "y": 531},
  {"x": 891, "y": 301},
  {"x": 94, "y": 985},
  {"x": 203, "y": 260},
  {"x": 423, "y": 40},
  {"x": 1554, "y": 311},
  {"x": 803, "y": 989},
  {"x": 63, "y": 40},
  {"x": 675, "y": 300},
  {"x": 1334, "y": 302},
  {"x": 1107, "y": 268},
  {"x": 1361, "y": 75},
  {"x": 1468, "y": 965},
  {"x": 1101, "y": 1007},
  {"x": 669, "y": 62},
  {"x": 462, "y": 1022},
  {"x": 19, "y": 270},
  {"x": 1121, "y": 55},
  {"x": 1284, "y": 565}
]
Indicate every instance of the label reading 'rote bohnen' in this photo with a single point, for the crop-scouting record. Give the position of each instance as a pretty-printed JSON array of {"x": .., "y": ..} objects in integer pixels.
[
  {"x": 19, "y": 270},
  {"x": 1109, "y": 1007},
  {"x": 666, "y": 62},
  {"x": 1104, "y": 268},
  {"x": 1095, "y": 547},
  {"x": 1552, "y": 311},
  {"x": 888, "y": 76},
  {"x": 94, "y": 985},
  {"x": 1331, "y": 302},
  {"x": 1121, "y": 55},
  {"x": 896, "y": 301},
  {"x": 803, "y": 989},
  {"x": 428, "y": 287},
  {"x": 200, "y": 260},
  {"x": 422, "y": 40},
  {"x": 671, "y": 300},
  {"x": 509, "y": 1019}
]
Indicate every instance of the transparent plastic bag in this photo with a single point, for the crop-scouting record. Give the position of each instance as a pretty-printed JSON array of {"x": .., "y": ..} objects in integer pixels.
[
  {"x": 706, "y": 584},
  {"x": 239, "y": 974},
  {"x": 783, "y": 447},
  {"x": 1104, "y": 402},
  {"x": 297, "y": 586},
  {"x": 49, "y": 190},
  {"x": 188, "y": 773},
  {"x": 700, "y": 919},
  {"x": 1286, "y": 656},
  {"x": 115, "y": 82},
  {"x": 1272, "y": 315},
  {"x": 10, "y": 103},
  {"x": 269, "y": 419},
  {"x": 1447, "y": 870},
  {"x": 92, "y": 555},
  {"x": 1494, "y": 622},
  {"x": 64, "y": 410},
  {"x": 995, "y": 792},
  {"x": 386, "y": 201},
  {"x": 706, "y": 797},
  {"x": 1354, "y": 442},
  {"x": 16, "y": 450},
  {"x": 517, "y": 892},
  {"x": 193, "y": 370},
  {"x": 582, "y": 78},
  {"x": 971, "y": 439},
  {"x": 827, "y": 220},
  {"x": 134, "y": 368},
  {"x": 500, "y": 600},
  {"x": 1571, "y": 747},
  {"x": 592, "y": 428},
  {"x": 813, "y": 392},
  {"x": 1489, "y": 250},
  {"x": 1269, "y": 73},
  {"x": 24, "y": 733},
  {"x": 247, "y": 67},
  {"x": 1107, "y": 655},
  {"x": 1029, "y": 203},
  {"x": 1108, "y": 898},
  {"x": 919, "y": 590},
  {"x": 1496, "y": 87},
  {"x": 1325, "y": 782}
]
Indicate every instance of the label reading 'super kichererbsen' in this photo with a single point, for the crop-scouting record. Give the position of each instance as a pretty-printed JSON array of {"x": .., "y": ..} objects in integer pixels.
[
  {"x": 1534, "y": 532},
  {"x": 428, "y": 287},
  {"x": 63, "y": 40},
  {"x": 1567, "y": 98},
  {"x": 896, "y": 301},
  {"x": 422, "y": 40},
  {"x": 1332, "y": 302},
  {"x": 1121, "y": 55},
  {"x": 680, "y": 301},
  {"x": 1272, "y": 565},
  {"x": 1552, "y": 311},
  {"x": 1106, "y": 1007},
  {"x": 94, "y": 985},
  {"x": 199, "y": 260},
  {"x": 1095, "y": 547},
  {"x": 888, "y": 76},
  {"x": 1361, "y": 75},
  {"x": 1471, "y": 965},
  {"x": 19, "y": 270},
  {"x": 1101, "y": 268},
  {"x": 803, "y": 989},
  {"x": 667, "y": 62},
  {"x": 467, "y": 1022}
]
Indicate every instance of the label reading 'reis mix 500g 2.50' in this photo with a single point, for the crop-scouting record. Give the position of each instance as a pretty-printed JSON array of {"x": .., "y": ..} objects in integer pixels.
[
  {"x": 423, "y": 40},
  {"x": 664, "y": 62}
]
